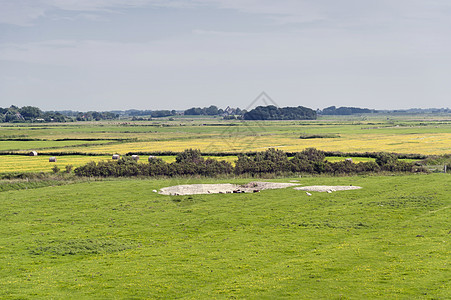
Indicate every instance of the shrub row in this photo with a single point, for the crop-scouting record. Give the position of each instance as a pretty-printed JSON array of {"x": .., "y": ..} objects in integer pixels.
[
  {"x": 271, "y": 161},
  {"x": 189, "y": 162}
]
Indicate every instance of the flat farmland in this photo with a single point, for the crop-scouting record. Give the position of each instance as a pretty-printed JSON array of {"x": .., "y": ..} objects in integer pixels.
[
  {"x": 215, "y": 136},
  {"x": 211, "y": 135}
]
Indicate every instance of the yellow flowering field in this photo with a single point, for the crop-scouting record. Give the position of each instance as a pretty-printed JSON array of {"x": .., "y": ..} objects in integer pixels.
[
  {"x": 22, "y": 163},
  {"x": 428, "y": 143}
]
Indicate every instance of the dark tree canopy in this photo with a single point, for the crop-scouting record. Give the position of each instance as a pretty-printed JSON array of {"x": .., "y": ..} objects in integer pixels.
[
  {"x": 272, "y": 112},
  {"x": 332, "y": 110},
  {"x": 212, "y": 110}
]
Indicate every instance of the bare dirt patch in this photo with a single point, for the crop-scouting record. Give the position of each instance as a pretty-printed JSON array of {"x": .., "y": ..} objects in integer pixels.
[
  {"x": 223, "y": 188},
  {"x": 327, "y": 188}
]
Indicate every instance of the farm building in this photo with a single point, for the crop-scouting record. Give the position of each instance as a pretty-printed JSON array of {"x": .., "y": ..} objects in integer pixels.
[
  {"x": 52, "y": 159},
  {"x": 116, "y": 156},
  {"x": 33, "y": 153}
]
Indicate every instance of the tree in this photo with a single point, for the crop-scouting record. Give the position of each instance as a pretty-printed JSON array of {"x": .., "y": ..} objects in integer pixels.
[
  {"x": 211, "y": 111},
  {"x": 385, "y": 158},
  {"x": 190, "y": 155},
  {"x": 272, "y": 112},
  {"x": 30, "y": 112}
]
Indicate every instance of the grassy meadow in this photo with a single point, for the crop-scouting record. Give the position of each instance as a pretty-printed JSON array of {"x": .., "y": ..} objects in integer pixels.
[
  {"x": 62, "y": 237},
  {"x": 118, "y": 239}
]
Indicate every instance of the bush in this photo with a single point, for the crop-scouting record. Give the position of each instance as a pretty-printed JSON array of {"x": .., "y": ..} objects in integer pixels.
[
  {"x": 271, "y": 161},
  {"x": 55, "y": 169},
  {"x": 384, "y": 158},
  {"x": 69, "y": 168}
]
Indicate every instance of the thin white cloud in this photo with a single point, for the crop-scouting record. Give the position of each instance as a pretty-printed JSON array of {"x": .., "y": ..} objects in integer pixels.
[
  {"x": 26, "y": 12},
  {"x": 356, "y": 12}
]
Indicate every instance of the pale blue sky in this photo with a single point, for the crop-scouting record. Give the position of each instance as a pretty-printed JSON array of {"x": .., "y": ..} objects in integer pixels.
[{"x": 155, "y": 54}]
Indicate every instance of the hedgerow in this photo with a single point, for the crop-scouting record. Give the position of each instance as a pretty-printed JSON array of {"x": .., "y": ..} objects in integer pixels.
[{"x": 271, "y": 161}]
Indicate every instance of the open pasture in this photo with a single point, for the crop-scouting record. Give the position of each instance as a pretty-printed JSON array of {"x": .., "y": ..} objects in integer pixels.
[{"x": 118, "y": 239}]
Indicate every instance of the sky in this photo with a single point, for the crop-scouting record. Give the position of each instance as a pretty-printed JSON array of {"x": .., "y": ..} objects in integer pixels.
[{"x": 176, "y": 54}]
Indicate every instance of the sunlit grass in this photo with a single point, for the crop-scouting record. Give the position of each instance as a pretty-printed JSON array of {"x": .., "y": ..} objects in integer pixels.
[{"x": 118, "y": 239}]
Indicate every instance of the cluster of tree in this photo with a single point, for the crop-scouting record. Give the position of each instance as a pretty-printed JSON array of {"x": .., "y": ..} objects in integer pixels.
[
  {"x": 14, "y": 114},
  {"x": 313, "y": 161},
  {"x": 96, "y": 116},
  {"x": 151, "y": 113},
  {"x": 162, "y": 113},
  {"x": 136, "y": 112},
  {"x": 212, "y": 110},
  {"x": 332, "y": 110},
  {"x": 272, "y": 112},
  {"x": 191, "y": 162}
]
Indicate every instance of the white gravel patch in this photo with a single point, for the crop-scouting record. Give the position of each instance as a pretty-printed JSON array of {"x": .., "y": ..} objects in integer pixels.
[
  {"x": 327, "y": 188},
  {"x": 223, "y": 188}
]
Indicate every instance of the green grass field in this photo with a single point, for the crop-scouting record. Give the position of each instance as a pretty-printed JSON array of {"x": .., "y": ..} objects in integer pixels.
[{"x": 118, "y": 239}]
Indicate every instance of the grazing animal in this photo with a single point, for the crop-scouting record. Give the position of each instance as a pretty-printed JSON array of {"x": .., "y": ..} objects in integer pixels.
[
  {"x": 155, "y": 191},
  {"x": 308, "y": 194}
]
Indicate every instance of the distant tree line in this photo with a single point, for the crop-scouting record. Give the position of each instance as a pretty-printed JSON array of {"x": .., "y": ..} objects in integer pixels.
[
  {"x": 32, "y": 114},
  {"x": 151, "y": 113},
  {"x": 271, "y": 161},
  {"x": 212, "y": 110},
  {"x": 272, "y": 112},
  {"x": 332, "y": 110},
  {"x": 14, "y": 114},
  {"x": 96, "y": 116}
]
